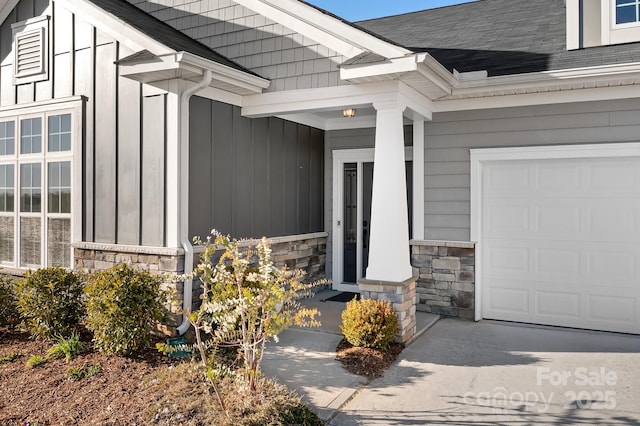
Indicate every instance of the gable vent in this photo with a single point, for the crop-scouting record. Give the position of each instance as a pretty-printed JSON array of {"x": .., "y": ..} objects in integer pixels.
[
  {"x": 31, "y": 50},
  {"x": 30, "y": 53}
]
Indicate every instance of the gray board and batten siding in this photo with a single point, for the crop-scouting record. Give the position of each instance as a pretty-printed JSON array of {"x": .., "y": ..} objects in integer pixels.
[
  {"x": 290, "y": 60},
  {"x": 253, "y": 177},
  {"x": 124, "y": 133}
]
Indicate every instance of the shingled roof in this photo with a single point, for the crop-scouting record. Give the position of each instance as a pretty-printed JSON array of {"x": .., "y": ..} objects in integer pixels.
[
  {"x": 500, "y": 36},
  {"x": 163, "y": 33}
]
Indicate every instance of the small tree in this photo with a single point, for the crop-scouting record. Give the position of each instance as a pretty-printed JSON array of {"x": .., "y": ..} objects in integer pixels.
[{"x": 247, "y": 300}]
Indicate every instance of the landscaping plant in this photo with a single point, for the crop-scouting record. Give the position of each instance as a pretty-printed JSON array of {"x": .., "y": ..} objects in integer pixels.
[
  {"x": 369, "y": 323},
  {"x": 50, "y": 302},
  {"x": 246, "y": 301},
  {"x": 8, "y": 312},
  {"x": 124, "y": 306},
  {"x": 66, "y": 348}
]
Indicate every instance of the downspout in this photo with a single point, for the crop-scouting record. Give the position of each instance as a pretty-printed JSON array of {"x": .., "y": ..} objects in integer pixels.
[{"x": 183, "y": 164}]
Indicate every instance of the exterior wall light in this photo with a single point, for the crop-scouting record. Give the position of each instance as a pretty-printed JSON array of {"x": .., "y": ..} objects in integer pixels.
[{"x": 349, "y": 112}]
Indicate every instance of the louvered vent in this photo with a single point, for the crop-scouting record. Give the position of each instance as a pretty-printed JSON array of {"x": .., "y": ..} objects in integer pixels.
[{"x": 30, "y": 53}]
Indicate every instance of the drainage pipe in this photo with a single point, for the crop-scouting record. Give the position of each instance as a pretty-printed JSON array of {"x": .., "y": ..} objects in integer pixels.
[{"x": 183, "y": 215}]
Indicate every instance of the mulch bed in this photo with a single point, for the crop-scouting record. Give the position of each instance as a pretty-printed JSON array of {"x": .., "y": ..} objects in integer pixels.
[
  {"x": 367, "y": 362},
  {"x": 45, "y": 395}
]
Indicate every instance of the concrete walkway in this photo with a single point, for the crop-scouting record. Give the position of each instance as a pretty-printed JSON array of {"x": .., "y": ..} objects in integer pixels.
[{"x": 461, "y": 372}]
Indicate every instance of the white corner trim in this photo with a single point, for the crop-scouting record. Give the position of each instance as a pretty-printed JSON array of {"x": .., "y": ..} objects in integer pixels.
[
  {"x": 480, "y": 156},
  {"x": 418, "y": 180},
  {"x": 134, "y": 39},
  {"x": 327, "y": 30}
]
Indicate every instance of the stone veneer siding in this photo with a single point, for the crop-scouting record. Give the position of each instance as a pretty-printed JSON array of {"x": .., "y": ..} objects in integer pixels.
[
  {"x": 446, "y": 283},
  {"x": 308, "y": 252}
]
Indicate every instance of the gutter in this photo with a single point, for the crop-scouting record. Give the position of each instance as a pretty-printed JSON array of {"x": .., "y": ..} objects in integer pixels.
[{"x": 183, "y": 172}]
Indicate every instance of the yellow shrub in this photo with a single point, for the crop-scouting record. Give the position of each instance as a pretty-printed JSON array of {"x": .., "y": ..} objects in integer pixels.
[{"x": 369, "y": 323}]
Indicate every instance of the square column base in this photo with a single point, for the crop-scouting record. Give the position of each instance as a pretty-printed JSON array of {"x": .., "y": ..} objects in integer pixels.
[{"x": 401, "y": 295}]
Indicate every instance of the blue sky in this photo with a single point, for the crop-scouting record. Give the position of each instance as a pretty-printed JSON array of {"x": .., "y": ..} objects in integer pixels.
[{"x": 356, "y": 10}]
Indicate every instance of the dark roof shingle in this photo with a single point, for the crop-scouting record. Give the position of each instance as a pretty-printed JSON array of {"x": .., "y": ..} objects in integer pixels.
[{"x": 500, "y": 36}]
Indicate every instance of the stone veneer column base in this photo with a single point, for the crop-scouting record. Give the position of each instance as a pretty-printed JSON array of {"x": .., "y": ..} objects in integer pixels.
[{"x": 401, "y": 295}]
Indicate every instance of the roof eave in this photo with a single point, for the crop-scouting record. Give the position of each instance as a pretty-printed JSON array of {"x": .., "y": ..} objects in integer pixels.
[{"x": 187, "y": 66}]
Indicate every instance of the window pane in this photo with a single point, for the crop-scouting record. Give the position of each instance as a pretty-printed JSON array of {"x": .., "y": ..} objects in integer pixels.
[
  {"x": 59, "y": 242},
  {"x": 7, "y": 138},
  {"x": 59, "y": 187},
  {"x": 6, "y": 188},
  {"x": 59, "y": 133},
  {"x": 625, "y": 14},
  {"x": 30, "y": 242},
  {"x": 30, "y": 135},
  {"x": 30, "y": 188},
  {"x": 6, "y": 239}
]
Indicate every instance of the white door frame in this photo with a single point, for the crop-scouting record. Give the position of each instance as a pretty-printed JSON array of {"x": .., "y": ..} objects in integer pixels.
[
  {"x": 480, "y": 156},
  {"x": 340, "y": 158}
]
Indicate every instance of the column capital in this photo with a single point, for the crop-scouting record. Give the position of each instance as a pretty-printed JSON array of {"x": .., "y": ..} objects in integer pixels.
[{"x": 390, "y": 104}]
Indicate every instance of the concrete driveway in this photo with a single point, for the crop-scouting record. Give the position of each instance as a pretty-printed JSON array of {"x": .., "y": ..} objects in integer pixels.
[{"x": 490, "y": 373}]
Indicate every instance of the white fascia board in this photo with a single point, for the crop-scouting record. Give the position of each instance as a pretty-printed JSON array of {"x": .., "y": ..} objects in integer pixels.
[
  {"x": 548, "y": 79},
  {"x": 225, "y": 73},
  {"x": 131, "y": 37},
  {"x": 546, "y": 98},
  {"x": 331, "y": 98},
  {"x": 324, "y": 29},
  {"x": 220, "y": 95},
  {"x": 320, "y": 99},
  {"x": 6, "y": 6}
]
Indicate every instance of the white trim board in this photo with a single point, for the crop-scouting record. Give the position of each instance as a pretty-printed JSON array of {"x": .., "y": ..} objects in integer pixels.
[
  {"x": 325, "y": 29},
  {"x": 480, "y": 156}
]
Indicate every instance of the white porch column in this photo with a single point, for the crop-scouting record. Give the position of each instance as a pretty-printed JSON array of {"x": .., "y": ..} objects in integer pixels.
[
  {"x": 418, "y": 180},
  {"x": 389, "y": 258}
]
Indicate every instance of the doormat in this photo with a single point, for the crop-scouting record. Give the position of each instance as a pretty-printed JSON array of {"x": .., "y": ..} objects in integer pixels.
[{"x": 343, "y": 297}]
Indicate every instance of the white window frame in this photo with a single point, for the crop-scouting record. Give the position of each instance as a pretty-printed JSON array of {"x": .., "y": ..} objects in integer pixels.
[
  {"x": 614, "y": 15},
  {"x": 72, "y": 106},
  {"x": 612, "y": 33}
]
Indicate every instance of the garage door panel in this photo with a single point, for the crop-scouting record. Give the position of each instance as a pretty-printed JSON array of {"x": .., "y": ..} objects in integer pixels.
[
  {"x": 558, "y": 261},
  {"x": 611, "y": 264},
  {"x": 508, "y": 259},
  {"x": 560, "y": 242},
  {"x": 557, "y": 221},
  {"x": 612, "y": 309},
  {"x": 555, "y": 177},
  {"x": 557, "y": 304},
  {"x": 616, "y": 175},
  {"x": 505, "y": 299}
]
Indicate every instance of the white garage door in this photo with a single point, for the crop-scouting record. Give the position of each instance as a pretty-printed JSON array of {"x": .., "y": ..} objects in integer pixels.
[{"x": 560, "y": 242}]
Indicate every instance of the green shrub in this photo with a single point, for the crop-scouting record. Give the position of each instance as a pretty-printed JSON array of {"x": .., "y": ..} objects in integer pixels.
[
  {"x": 369, "y": 323},
  {"x": 124, "y": 306},
  {"x": 50, "y": 302},
  {"x": 8, "y": 312}
]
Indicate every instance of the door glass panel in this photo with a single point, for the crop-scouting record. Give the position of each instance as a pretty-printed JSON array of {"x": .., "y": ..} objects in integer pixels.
[
  {"x": 367, "y": 192},
  {"x": 350, "y": 227}
]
